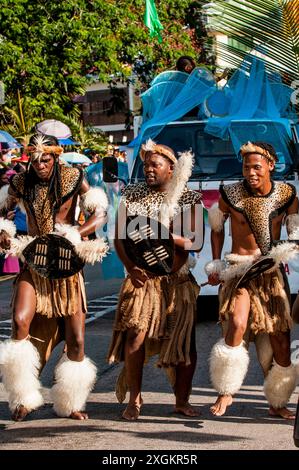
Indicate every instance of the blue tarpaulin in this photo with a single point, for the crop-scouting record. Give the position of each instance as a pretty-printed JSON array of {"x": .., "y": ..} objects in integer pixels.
[{"x": 251, "y": 93}]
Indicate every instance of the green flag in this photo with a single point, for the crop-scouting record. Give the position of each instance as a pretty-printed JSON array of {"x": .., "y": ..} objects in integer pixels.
[{"x": 151, "y": 19}]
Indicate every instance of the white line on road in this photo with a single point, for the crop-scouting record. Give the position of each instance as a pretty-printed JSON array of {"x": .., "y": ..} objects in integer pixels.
[
  {"x": 102, "y": 305},
  {"x": 96, "y": 315}
]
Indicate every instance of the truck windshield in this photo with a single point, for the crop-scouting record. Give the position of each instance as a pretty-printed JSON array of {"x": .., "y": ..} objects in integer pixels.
[{"x": 215, "y": 158}]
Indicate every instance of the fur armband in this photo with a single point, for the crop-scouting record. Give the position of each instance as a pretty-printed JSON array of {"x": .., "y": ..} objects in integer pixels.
[
  {"x": 70, "y": 232},
  {"x": 216, "y": 218},
  {"x": 18, "y": 245},
  {"x": 215, "y": 266},
  {"x": 8, "y": 226},
  {"x": 292, "y": 224},
  {"x": 94, "y": 200}
]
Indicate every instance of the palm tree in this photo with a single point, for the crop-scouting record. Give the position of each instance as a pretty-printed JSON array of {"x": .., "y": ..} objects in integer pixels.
[
  {"x": 19, "y": 120},
  {"x": 270, "y": 28},
  {"x": 87, "y": 136}
]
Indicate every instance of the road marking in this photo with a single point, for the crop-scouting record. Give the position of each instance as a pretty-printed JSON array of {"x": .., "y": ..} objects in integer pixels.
[
  {"x": 103, "y": 306},
  {"x": 96, "y": 308},
  {"x": 5, "y": 327}
]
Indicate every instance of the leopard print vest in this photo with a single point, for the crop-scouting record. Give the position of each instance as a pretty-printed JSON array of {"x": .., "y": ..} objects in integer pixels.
[
  {"x": 42, "y": 208},
  {"x": 259, "y": 210},
  {"x": 140, "y": 199}
]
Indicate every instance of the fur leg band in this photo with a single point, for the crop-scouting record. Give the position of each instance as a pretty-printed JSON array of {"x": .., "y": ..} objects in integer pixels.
[
  {"x": 73, "y": 382},
  {"x": 228, "y": 367},
  {"x": 19, "y": 366},
  {"x": 279, "y": 385}
]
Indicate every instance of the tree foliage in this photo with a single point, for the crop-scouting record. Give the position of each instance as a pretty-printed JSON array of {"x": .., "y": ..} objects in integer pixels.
[{"x": 51, "y": 50}]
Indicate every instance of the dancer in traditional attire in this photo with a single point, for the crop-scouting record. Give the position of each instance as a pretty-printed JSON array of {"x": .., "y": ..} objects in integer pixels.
[
  {"x": 45, "y": 311},
  {"x": 156, "y": 314},
  {"x": 257, "y": 207}
]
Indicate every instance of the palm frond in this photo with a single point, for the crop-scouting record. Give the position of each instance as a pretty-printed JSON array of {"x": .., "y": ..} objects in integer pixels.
[{"x": 268, "y": 28}]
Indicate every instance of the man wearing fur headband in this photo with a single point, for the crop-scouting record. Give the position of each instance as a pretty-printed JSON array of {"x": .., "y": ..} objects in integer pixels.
[
  {"x": 45, "y": 311},
  {"x": 257, "y": 207},
  {"x": 156, "y": 314}
]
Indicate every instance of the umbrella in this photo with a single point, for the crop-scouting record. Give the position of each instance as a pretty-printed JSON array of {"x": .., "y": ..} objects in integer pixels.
[
  {"x": 7, "y": 141},
  {"x": 68, "y": 141},
  {"x": 53, "y": 127},
  {"x": 74, "y": 157}
]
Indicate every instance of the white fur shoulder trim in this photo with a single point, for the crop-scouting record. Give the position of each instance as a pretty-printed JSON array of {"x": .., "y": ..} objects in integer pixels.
[
  {"x": 216, "y": 218},
  {"x": 3, "y": 196},
  {"x": 292, "y": 224},
  {"x": 181, "y": 174},
  {"x": 94, "y": 199},
  {"x": 8, "y": 226}
]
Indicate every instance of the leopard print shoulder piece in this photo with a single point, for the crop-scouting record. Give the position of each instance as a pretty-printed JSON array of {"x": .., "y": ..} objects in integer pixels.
[
  {"x": 71, "y": 179},
  {"x": 142, "y": 200},
  {"x": 17, "y": 184},
  {"x": 259, "y": 210}
]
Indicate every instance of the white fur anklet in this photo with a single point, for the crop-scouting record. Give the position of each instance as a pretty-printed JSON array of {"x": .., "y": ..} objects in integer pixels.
[
  {"x": 228, "y": 367},
  {"x": 279, "y": 385},
  {"x": 19, "y": 367},
  {"x": 73, "y": 382}
]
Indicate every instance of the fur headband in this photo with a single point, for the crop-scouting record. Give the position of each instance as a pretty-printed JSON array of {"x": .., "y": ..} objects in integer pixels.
[
  {"x": 151, "y": 146},
  {"x": 41, "y": 147},
  {"x": 249, "y": 147}
]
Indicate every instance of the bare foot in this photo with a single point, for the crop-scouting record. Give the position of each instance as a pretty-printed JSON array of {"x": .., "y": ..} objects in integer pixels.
[
  {"x": 282, "y": 412},
  {"x": 222, "y": 402},
  {"x": 78, "y": 415},
  {"x": 132, "y": 411},
  {"x": 20, "y": 413},
  {"x": 186, "y": 410}
]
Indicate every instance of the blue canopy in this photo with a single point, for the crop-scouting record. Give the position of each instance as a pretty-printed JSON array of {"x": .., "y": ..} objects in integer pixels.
[
  {"x": 168, "y": 101},
  {"x": 251, "y": 93}
]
